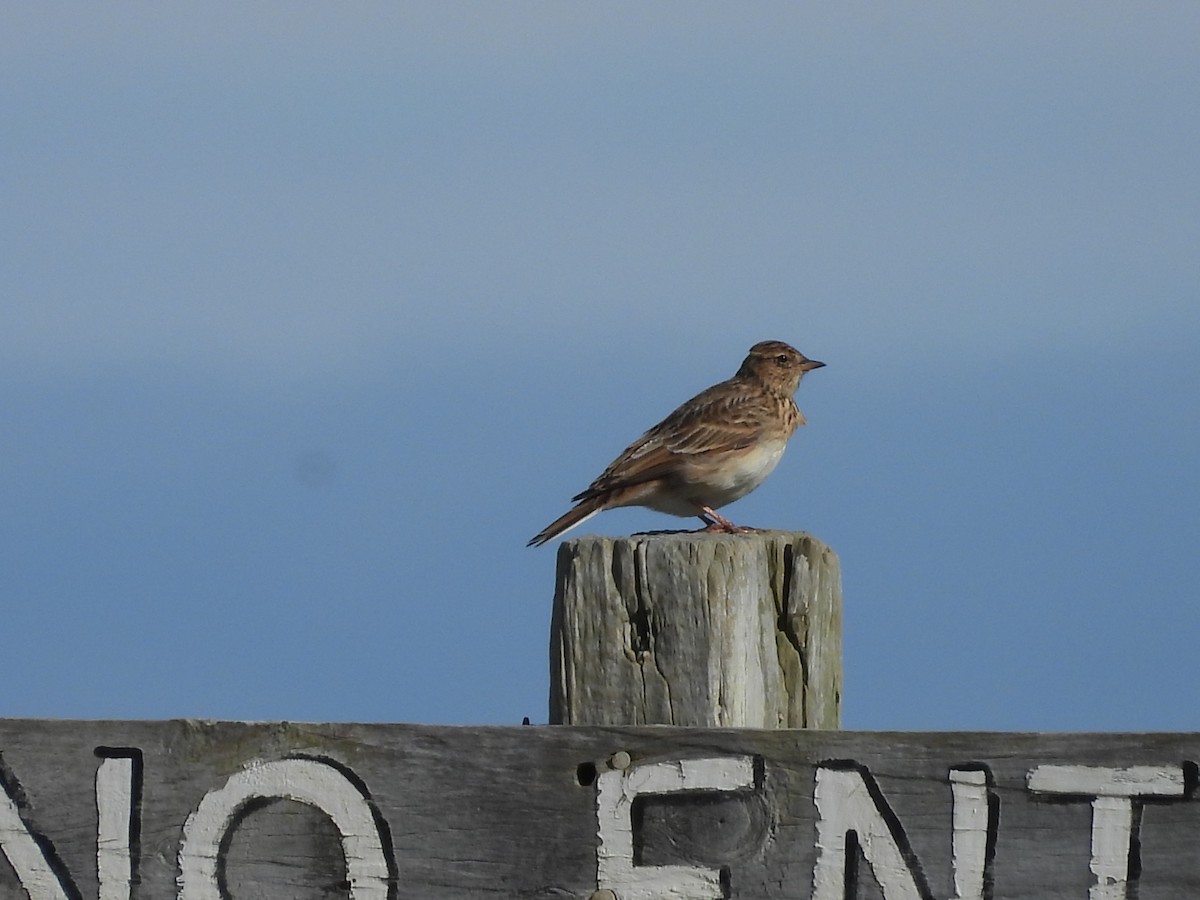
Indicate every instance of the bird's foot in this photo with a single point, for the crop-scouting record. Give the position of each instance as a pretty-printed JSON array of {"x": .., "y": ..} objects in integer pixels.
[
  {"x": 718, "y": 528},
  {"x": 716, "y": 523}
]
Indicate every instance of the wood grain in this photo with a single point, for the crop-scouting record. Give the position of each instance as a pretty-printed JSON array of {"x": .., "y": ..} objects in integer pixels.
[
  {"x": 697, "y": 629},
  {"x": 512, "y": 812}
]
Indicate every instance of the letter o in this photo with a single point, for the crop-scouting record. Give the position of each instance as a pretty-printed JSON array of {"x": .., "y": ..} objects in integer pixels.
[{"x": 311, "y": 781}]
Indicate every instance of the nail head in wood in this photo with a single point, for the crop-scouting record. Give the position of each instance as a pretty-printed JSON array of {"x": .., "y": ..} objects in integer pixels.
[{"x": 619, "y": 760}]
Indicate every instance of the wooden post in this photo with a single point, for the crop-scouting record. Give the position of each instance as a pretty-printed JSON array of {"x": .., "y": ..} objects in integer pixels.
[{"x": 696, "y": 629}]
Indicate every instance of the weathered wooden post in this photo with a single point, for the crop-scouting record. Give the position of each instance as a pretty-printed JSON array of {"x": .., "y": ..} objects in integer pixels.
[{"x": 697, "y": 629}]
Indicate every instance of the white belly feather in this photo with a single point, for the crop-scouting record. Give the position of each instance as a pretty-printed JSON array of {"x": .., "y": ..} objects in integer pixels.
[
  {"x": 742, "y": 475},
  {"x": 715, "y": 486}
]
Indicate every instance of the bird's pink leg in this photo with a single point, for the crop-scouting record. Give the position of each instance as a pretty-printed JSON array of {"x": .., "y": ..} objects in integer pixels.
[{"x": 717, "y": 522}]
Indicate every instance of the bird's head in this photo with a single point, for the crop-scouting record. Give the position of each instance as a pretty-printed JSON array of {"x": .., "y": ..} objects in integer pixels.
[{"x": 778, "y": 365}]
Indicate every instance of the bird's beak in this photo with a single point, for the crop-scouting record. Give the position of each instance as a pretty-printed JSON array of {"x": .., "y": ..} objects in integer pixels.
[{"x": 809, "y": 364}]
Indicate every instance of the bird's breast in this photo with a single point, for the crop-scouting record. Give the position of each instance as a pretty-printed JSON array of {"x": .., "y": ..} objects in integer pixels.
[
  {"x": 749, "y": 469},
  {"x": 716, "y": 482}
]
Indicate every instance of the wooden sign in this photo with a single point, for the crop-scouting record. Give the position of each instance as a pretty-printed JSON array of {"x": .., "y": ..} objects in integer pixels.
[{"x": 202, "y": 811}]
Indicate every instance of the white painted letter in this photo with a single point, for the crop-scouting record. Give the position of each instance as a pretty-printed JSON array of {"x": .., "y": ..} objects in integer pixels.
[
  {"x": 34, "y": 871},
  {"x": 315, "y": 782},
  {"x": 849, "y": 802},
  {"x": 973, "y": 838},
  {"x": 852, "y": 813},
  {"x": 1113, "y": 792},
  {"x": 615, "y": 793},
  {"x": 38, "y": 868},
  {"x": 117, "y": 780}
]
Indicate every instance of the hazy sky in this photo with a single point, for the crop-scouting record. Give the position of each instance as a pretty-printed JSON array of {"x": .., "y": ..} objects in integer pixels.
[{"x": 311, "y": 315}]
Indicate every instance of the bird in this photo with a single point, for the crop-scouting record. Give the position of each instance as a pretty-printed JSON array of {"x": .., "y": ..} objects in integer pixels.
[{"x": 714, "y": 449}]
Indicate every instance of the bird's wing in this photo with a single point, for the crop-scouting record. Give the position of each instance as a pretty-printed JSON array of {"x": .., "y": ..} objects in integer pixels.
[{"x": 727, "y": 417}]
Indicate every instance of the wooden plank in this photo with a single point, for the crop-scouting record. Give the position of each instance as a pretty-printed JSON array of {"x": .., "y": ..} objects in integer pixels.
[
  {"x": 696, "y": 629},
  {"x": 281, "y": 810}
]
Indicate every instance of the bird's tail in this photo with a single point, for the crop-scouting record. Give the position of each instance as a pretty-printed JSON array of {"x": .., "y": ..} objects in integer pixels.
[{"x": 576, "y": 515}]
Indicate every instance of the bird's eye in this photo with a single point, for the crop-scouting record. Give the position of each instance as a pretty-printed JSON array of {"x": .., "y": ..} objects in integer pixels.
[{"x": 781, "y": 359}]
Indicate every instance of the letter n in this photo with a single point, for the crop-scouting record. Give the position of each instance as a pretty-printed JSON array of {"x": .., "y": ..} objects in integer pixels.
[{"x": 852, "y": 814}]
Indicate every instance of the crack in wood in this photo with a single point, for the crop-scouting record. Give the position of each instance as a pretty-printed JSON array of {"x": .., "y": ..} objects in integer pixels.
[{"x": 697, "y": 629}]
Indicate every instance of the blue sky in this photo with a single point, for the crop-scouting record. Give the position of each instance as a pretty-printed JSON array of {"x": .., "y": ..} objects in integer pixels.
[{"x": 311, "y": 315}]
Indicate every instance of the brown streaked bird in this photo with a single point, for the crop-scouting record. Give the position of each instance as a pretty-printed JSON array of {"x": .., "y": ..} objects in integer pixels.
[{"x": 716, "y": 448}]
